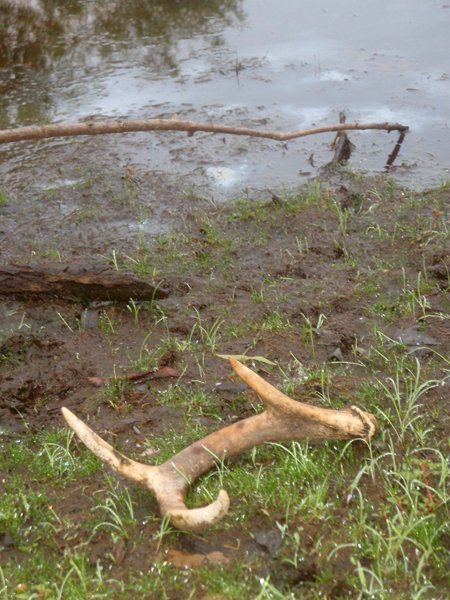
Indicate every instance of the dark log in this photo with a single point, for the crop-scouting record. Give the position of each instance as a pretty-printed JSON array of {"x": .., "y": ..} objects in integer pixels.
[{"x": 77, "y": 283}]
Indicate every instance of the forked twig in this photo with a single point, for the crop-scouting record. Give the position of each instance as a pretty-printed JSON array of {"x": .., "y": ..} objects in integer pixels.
[{"x": 283, "y": 419}]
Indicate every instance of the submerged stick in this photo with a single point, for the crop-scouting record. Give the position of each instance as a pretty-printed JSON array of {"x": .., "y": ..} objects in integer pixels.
[
  {"x": 393, "y": 155},
  {"x": 36, "y": 132}
]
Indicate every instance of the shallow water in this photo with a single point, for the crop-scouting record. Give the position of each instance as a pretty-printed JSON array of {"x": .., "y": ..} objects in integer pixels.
[{"x": 284, "y": 65}]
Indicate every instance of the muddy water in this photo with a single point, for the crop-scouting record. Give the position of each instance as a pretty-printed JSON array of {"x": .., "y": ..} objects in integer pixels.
[{"x": 279, "y": 65}]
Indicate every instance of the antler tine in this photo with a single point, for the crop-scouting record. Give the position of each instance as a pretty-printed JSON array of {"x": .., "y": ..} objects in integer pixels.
[
  {"x": 165, "y": 481},
  {"x": 271, "y": 397},
  {"x": 118, "y": 462},
  {"x": 277, "y": 402}
]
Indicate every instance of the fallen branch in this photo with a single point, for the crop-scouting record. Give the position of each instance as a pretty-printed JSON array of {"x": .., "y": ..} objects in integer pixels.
[
  {"x": 36, "y": 132},
  {"x": 160, "y": 373},
  {"x": 77, "y": 283},
  {"x": 283, "y": 419}
]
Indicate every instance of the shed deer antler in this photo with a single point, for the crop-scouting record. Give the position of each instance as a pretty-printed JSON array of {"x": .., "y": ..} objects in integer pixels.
[{"x": 283, "y": 419}]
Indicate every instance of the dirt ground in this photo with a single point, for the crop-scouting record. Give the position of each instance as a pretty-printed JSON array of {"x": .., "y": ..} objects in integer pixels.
[{"x": 359, "y": 256}]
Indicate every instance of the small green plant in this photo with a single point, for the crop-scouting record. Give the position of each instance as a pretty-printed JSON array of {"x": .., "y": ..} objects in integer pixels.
[
  {"x": 275, "y": 323},
  {"x": 379, "y": 231},
  {"x": 134, "y": 309},
  {"x": 415, "y": 298},
  {"x": 117, "y": 510},
  {"x": 209, "y": 336},
  {"x": 312, "y": 194},
  {"x": 128, "y": 195},
  {"x": 258, "y": 294},
  {"x": 308, "y": 330},
  {"x": 107, "y": 323},
  {"x": 164, "y": 531},
  {"x": 341, "y": 250},
  {"x": 142, "y": 265},
  {"x": 60, "y": 455},
  {"x": 113, "y": 260},
  {"x": 52, "y": 254},
  {"x": 115, "y": 391},
  {"x": 344, "y": 217},
  {"x": 245, "y": 209},
  {"x": 403, "y": 391},
  {"x": 195, "y": 403},
  {"x": 302, "y": 246}
]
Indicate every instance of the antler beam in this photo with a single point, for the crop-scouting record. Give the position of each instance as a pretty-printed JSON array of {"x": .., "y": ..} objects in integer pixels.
[{"x": 283, "y": 419}]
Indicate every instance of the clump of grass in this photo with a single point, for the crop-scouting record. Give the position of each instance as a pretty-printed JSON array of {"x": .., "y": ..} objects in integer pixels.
[
  {"x": 116, "y": 509},
  {"x": 196, "y": 403},
  {"x": 128, "y": 195},
  {"x": 207, "y": 334},
  {"x": 142, "y": 264},
  {"x": 403, "y": 391},
  {"x": 309, "y": 330},
  {"x": 275, "y": 323}
]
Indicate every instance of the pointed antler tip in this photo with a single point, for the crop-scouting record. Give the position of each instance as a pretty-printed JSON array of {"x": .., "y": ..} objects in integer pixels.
[{"x": 69, "y": 416}]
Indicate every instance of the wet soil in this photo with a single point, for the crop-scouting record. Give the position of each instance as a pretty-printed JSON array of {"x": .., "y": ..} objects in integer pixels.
[{"x": 261, "y": 266}]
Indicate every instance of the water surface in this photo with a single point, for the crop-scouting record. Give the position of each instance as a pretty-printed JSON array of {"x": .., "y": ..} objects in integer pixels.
[{"x": 280, "y": 65}]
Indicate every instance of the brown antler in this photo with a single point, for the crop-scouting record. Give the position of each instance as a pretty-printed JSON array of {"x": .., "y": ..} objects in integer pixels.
[{"x": 283, "y": 419}]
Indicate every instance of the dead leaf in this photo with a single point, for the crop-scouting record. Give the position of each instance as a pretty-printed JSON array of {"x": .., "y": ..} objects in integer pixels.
[
  {"x": 193, "y": 560},
  {"x": 158, "y": 374},
  {"x": 97, "y": 381},
  {"x": 119, "y": 551}
]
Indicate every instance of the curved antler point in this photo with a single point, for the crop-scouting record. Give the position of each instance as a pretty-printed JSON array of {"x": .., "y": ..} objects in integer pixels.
[{"x": 197, "y": 519}]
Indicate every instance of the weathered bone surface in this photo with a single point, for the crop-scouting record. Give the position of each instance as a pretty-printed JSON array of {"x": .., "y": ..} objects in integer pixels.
[{"x": 283, "y": 419}]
